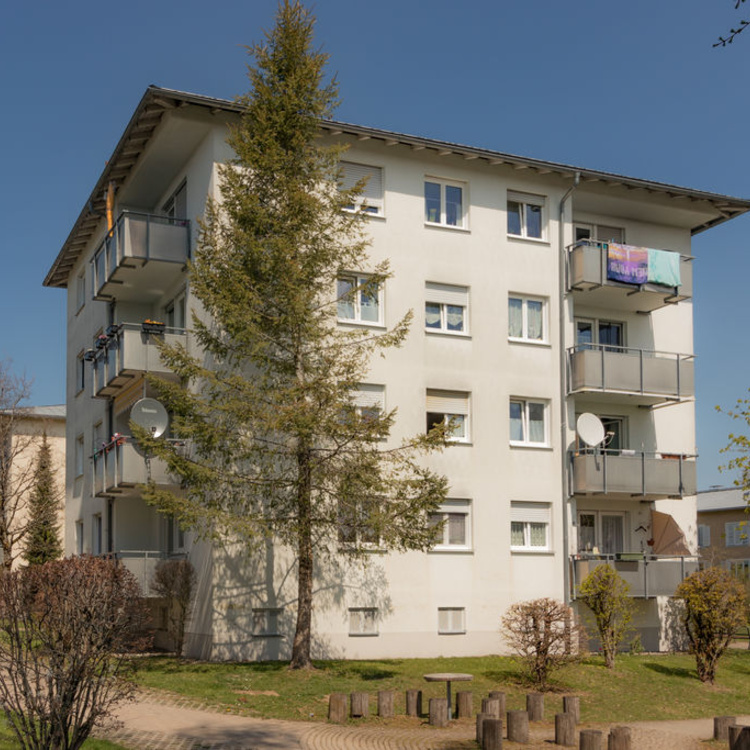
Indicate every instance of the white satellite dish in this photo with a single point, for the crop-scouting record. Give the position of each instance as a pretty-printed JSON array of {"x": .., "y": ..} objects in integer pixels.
[
  {"x": 590, "y": 429},
  {"x": 151, "y": 415}
]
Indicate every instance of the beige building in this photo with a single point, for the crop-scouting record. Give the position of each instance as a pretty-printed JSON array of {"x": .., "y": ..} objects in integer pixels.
[
  {"x": 541, "y": 292},
  {"x": 724, "y": 529}
]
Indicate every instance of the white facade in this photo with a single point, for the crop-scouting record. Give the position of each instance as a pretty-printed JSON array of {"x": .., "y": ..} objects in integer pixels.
[{"x": 481, "y": 245}]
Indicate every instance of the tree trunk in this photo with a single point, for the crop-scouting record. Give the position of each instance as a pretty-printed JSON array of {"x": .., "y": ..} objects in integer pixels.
[
  {"x": 302, "y": 635},
  {"x": 565, "y": 729},
  {"x": 721, "y": 726}
]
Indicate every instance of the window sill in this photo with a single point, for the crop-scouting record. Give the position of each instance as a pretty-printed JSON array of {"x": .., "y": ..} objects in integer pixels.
[
  {"x": 451, "y": 550},
  {"x": 454, "y": 441},
  {"x": 451, "y": 227},
  {"x": 532, "y": 552},
  {"x": 364, "y": 635},
  {"x": 532, "y": 240},
  {"x": 267, "y": 635},
  {"x": 367, "y": 214},
  {"x": 451, "y": 632},
  {"x": 448, "y": 334},
  {"x": 531, "y": 446},
  {"x": 529, "y": 342},
  {"x": 360, "y": 324}
]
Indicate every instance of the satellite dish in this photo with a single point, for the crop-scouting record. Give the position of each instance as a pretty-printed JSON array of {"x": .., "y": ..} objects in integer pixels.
[
  {"x": 590, "y": 429},
  {"x": 151, "y": 415}
]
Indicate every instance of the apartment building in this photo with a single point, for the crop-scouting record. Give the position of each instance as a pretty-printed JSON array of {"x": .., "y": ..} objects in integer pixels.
[
  {"x": 723, "y": 529},
  {"x": 541, "y": 292}
]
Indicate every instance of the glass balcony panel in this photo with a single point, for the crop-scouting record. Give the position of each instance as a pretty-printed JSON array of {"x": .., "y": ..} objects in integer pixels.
[{"x": 125, "y": 467}]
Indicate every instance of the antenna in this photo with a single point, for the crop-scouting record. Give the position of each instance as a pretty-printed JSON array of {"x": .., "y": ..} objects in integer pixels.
[
  {"x": 151, "y": 415},
  {"x": 590, "y": 429}
]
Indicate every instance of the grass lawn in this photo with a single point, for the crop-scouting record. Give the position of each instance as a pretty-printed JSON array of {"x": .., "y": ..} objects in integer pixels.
[
  {"x": 645, "y": 687},
  {"x": 8, "y": 740}
]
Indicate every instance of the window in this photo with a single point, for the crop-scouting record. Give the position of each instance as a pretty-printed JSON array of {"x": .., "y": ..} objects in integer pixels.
[
  {"x": 449, "y": 407},
  {"x": 527, "y": 318},
  {"x": 358, "y": 522},
  {"x": 528, "y": 422},
  {"x": 363, "y": 621},
  {"x": 174, "y": 312},
  {"x": 359, "y": 300},
  {"x": 175, "y": 535},
  {"x": 444, "y": 203},
  {"x": 266, "y": 622},
  {"x": 79, "y": 456},
  {"x": 370, "y": 199},
  {"x": 80, "y": 373},
  {"x": 704, "y": 535},
  {"x": 176, "y": 205},
  {"x": 738, "y": 568},
  {"x": 79, "y": 537},
  {"x": 735, "y": 534},
  {"x": 529, "y": 526},
  {"x": 598, "y": 233},
  {"x": 526, "y": 215},
  {"x": 601, "y": 532},
  {"x": 608, "y": 334},
  {"x": 369, "y": 400},
  {"x": 81, "y": 289},
  {"x": 446, "y": 308},
  {"x": 451, "y": 620},
  {"x": 96, "y": 535},
  {"x": 452, "y": 524}
]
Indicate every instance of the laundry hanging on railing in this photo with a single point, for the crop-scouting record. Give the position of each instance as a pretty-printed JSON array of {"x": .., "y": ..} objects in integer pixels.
[{"x": 642, "y": 265}]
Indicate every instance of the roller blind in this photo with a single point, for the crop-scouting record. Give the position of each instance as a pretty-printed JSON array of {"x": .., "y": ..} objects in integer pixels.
[
  {"x": 447, "y": 402},
  {"x": 530, "y": 512},
  {"x": 447, "y": 294}
]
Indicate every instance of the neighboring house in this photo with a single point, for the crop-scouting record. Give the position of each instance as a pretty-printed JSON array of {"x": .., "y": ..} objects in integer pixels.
[
  {"x": 530, "y": 309},
  {"x": 28, "y": 425},
  {"x": 724, "y": 529}
]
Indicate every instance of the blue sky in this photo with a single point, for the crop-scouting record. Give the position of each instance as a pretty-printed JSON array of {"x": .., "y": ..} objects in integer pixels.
[{"x": 634, "y": 88}]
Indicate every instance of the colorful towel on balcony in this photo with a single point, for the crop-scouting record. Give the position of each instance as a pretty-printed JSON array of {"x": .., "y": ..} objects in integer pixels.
[{"x": 642, "y": 265}]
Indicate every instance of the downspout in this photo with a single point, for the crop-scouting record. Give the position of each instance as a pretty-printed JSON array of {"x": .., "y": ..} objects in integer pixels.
[{"x": 562, "y": 282}]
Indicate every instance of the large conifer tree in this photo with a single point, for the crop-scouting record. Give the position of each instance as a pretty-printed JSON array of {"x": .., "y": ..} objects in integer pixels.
[
  {"x": 43, "y": 538},
  {"x": 277, "y": 448}
]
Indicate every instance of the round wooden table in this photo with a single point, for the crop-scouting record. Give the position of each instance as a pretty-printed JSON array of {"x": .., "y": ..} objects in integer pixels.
[{"x": 448, "y": 677}]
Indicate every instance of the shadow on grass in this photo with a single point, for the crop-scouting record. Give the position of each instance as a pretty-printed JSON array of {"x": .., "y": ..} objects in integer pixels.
[{"x": 681, "y": 672}]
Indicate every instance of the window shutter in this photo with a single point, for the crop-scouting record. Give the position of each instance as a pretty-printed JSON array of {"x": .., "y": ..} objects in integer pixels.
[
  {"x": 373, "y": 190},
  {"x": 446, "y": 294},
  {"x": 447, "y": 402},
  {"x": 369, "y": 396},
  {"x": 704, "y": 536},
  {"x": 534, "y": 200},
  {"x": 530, "y": 512}
]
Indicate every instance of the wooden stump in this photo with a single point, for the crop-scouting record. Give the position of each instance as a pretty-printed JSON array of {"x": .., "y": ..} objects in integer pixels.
[
  {"x": 535, "y": 706},
  {"x": 491, "y": 707},
  {"x": 386, "y": 700},
  {"x": 337, "y": 707},
  {"x": 499, "y": 696},
  {"x": 590, "y": 739},
  {"x": 565, "y": 729},
  {"x": 741, "y": 739},
  {"x": 492, "y": 736},
  {"x": 439, "y": 712},
  {"x": 619, "y": 738},
  {"x": 481, "y": 718},
  {"x": 572, "y": 705},
  {"x": 721, "y": 726},
  {"x": 413, "y": 702},
  {"x": 464, "y": 704},
  {"x": 518, "y": 726},
  {"x": 360, "y": 705}
]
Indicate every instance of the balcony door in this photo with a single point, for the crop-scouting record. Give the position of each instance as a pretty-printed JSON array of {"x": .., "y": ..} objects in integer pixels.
[
  {"x": 607, "y": 333},
  {"x": 598, "y": 233},
  {"x": 616, "y": 432},
  {"x": 602, "y": 531}
]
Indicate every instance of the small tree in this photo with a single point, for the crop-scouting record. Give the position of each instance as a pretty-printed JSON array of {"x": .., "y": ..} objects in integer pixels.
[
  {"x": 65, "y": 628},
  {"x": 544, "y": 635},
  {"x": 606, "y": 594},
  {"x": 714, "y": 608},
  {"x": 43, "y": 538},
  {"x": 175, "y": 581}
]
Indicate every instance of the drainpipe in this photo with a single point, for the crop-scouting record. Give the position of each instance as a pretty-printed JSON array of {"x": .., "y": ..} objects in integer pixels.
[{"x": 563, "y": 293}]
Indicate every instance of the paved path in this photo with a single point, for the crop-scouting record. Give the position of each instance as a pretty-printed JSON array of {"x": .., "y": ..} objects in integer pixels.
[{"x": 156, "y": 722}]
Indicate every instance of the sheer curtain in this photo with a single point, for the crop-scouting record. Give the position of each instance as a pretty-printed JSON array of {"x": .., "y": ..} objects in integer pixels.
[{"x": 515, "y": 317}]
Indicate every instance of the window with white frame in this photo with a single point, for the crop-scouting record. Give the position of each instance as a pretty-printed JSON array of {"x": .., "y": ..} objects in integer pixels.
[
  {"x": 358, "y": 522},
  {"x": 79, "y": 537},
  {"x": 601, "y": 532},
  {"x": 528, "y": 422},
  {"x": 450, "y": 408},
  {"x": 704, "y": 535},
  {"x": 526, "y": 215},
  {"x": 80, "y": 373},
  {"x": 81, "y": 289},
  {"x": 370, "y": 200},
  {"x": 446, "y": 308},
  {"x": 530, "y": 526},
  {"x": 369, "y": 400},
  {"x": 266, "y": 621},
  {"x": 79, "y": 456},
  {"x": 359, "y": 300},
  {"x": 451, "y": 620},
  {"x": 363, "y": 621},
  {"x": 175, "y": 311},
  {"x": 736, "y": 534},
  {"x": 444, "y": 203},
  {"x": 598, "y": 233},
  {"x": 527, "y": 318},
  {"x": 452, "y": 524}
]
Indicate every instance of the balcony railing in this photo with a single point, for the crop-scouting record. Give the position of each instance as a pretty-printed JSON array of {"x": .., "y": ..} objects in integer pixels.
[
  {"x": 649, "y": 476},
  {"x": 129, "y": 349},
  {"x": 140, "y": 256},
  {"x": 647, "y": 575},
  {"x": 645, "y": 377},
  {"x": 588, "y": 272},
  {"x": 142, "y": 564},
  {"x": 119, "y": 466}
]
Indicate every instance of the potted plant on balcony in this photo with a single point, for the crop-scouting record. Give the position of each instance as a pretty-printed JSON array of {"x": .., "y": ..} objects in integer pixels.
[{"x": 152, "y": 326}]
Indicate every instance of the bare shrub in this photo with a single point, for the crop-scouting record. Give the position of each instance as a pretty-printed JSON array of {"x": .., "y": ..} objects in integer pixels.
[
  {"x": 544, "y": 635},
  {"x": 175, "y": 581},
  {"x": 65, "y": 628}
]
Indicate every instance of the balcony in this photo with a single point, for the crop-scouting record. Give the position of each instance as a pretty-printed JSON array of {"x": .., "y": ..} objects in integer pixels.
[
  {"x": 647, "y": 575},
  {"x": 590, "y": 274},
  {"x": 120, "y": 467},
  {"x": 142, "y": 564},
  {"x": 129, "y": 350},
  {"x": 639, "y": 376},
  {"x": 140, "y": 257},
  {"x": 626, "y": 474}
]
